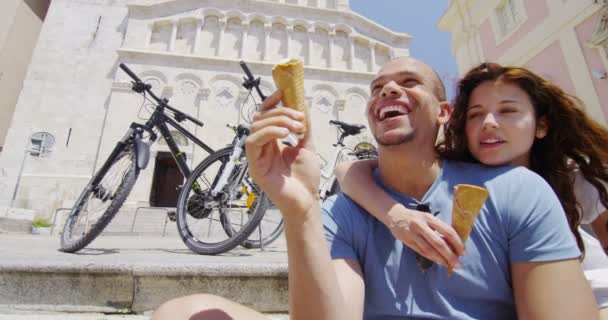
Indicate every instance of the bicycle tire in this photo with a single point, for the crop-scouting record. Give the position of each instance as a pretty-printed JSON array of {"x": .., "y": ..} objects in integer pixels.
[
  {"x": 274, "y": 224},
  {"x": 269, "y": 238},
  {"x": 195, "y": 208},
  {"x": 127, "y": 175}
]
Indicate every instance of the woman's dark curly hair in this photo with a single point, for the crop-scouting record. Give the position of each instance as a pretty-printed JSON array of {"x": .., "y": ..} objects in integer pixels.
[{"x": 573, "y": 139}]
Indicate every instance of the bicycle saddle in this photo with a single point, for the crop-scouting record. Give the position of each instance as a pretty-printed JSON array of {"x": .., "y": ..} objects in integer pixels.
[{"x": 349, "y": 129}]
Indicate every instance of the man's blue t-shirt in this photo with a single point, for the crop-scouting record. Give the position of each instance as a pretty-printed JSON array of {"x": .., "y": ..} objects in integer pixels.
[{"x": 522, "y": 221}]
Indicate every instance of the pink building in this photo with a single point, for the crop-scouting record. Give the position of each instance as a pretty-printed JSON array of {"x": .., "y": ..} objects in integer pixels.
[{"x": 565, "y": 41}]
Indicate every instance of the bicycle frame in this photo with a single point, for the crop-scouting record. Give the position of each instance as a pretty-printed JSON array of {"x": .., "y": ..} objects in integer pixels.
[
  {"x": 235, "y": 156},
  {"x": 330, "y": 176},
  {"x": 177, "y": 154},
  {"x": 160, "y": 120}
]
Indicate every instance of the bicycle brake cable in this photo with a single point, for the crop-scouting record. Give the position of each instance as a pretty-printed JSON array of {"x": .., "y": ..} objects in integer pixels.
[
  {"x": 142, "y": 106},
  {"x": 245, "y": 111}
]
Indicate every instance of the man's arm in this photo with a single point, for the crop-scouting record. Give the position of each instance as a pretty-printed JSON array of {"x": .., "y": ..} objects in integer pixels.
[
  {"x": 547, "y": 278},
  {"x": 290, "y": 177},
  {"x": 324, "y": 288},
  {"x": 552, "y": 290}
]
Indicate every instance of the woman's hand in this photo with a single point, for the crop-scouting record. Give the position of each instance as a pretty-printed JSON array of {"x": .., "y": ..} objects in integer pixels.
[
  {"x": 420, "y": 231},
  {"x": 425, "y": 234}
]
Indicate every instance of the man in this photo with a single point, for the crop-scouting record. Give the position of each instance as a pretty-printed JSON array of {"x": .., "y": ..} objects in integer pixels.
[{"x": 520, "y": 260}]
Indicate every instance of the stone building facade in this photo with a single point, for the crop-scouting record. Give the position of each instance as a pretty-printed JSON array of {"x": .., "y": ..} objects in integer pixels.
[{"x": 79, "y": 102}]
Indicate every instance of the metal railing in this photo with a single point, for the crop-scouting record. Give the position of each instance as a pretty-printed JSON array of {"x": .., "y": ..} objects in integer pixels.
[{"x": 133, "y": 222}]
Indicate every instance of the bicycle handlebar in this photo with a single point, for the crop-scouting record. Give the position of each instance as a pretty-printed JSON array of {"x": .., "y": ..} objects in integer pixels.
[
  {"x": 129, "y": 72},
  {"x": 161, "y": 101},
  {"x": 251, "y": 81}
]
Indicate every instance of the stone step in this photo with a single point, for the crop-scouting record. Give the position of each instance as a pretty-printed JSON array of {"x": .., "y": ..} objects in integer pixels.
[
  {"x": 42, "y": 315},
  {"x": 134, "y": 275}
]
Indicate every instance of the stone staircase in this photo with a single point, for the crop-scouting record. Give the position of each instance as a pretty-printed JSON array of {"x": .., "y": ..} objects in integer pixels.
[{"x": 133, "y": 275}]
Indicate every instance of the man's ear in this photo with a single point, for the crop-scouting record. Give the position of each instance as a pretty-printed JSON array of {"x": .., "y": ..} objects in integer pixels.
[
  {"x": 445, "y": 112},
  {"x": 542, "y": 127}
]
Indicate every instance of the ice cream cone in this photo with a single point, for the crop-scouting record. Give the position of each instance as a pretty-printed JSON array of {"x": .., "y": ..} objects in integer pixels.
[
  {"x": 289, "y": 77},
  {"x": 468, "y": 200}
]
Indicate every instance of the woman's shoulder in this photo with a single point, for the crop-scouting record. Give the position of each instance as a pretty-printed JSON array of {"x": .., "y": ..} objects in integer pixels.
[{"x": 495, "y": 174}]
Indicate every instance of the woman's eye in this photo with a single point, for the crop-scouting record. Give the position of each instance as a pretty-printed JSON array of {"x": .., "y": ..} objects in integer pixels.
[
  {"x": 473, "y": 115},
  {"x": 508, "y": 110}
]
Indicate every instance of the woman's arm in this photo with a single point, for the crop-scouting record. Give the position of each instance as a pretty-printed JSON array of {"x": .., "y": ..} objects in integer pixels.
[
  {"x": 592, "y": 210},
  {"x": 600, "y": 228},
  {"x": 422, "y": 232}
]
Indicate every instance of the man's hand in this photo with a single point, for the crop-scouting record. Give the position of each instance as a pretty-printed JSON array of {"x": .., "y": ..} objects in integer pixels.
[
  {"x": 427, "y": 235},
  {"x": 288, "y": 175}
]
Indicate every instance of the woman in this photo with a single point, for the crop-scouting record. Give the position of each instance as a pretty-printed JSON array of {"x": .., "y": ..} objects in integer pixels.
[{"x": 510, "y": 116}]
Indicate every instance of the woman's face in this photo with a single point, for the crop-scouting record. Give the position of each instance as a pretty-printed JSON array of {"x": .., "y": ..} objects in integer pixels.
[{"x": 501, "y": 124}]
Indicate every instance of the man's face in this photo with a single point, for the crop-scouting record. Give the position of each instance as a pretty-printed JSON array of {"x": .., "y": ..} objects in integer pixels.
[{"x": 403, "y": 107}]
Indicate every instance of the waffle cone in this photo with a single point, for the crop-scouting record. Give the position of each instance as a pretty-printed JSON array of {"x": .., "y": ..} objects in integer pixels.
[
  {"x": 468, "y": 200},
  {"x": 289, "y": 78}
]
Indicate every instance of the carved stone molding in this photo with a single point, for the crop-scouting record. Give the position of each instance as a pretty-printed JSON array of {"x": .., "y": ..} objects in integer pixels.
[
  {"x": 204, "y": 93},
  {"x": 340, "y": 104},
  {"x": 121, "y": 86},
  {"x": 188, "y": 87},
  {"x": 167, "y": 91}
]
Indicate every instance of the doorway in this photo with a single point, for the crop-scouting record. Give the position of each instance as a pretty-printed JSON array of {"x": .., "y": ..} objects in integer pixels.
[{"x": 166, "y": 181}]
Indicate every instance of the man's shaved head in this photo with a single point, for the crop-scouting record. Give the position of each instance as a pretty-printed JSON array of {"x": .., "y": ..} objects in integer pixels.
[{"x": 430, "y": 74}]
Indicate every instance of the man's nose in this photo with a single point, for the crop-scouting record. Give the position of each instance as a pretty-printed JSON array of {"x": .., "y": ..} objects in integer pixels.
[
  {"x": 390, "y": 89},
  {"x": 489, "y": 121}
]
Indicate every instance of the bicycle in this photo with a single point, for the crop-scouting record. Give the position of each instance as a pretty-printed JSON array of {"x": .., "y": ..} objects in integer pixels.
[
  {"x": 220, "y": 193},
  {"x": 271, "y": 225},
  {"x": 107, "y": 190}
]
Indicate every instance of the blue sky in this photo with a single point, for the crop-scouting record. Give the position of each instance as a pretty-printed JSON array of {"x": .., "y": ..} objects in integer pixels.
[{"x": 417, "y": 18}]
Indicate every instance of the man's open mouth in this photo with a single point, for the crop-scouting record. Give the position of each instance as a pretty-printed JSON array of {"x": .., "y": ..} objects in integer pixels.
[{"x": 392, "y": 111}]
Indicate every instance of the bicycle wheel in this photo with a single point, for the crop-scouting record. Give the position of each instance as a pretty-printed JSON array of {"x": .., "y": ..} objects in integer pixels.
[
  {"x": 99, "y": 202},
  {"x": 269, "y": 229},
  {"x": 214, "y": 225}
]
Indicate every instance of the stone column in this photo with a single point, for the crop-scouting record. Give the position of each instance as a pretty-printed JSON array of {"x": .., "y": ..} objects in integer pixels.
[
  {"x": 351, "y": 52},
  {"x": 267, "y": 30},
  {"x": 372, "y": 56},
  {"x": 330, "y": 43},
  {"x": 173, "y": 35},
  {"x": 149, "y": 36},
  {"x": 197, "y": 36},
  {"x": 289, "y": 31},
  {"x": 245, "y": 26},
  {"x": 223, "y": 24},
  {"x": 310, "y": 32}
]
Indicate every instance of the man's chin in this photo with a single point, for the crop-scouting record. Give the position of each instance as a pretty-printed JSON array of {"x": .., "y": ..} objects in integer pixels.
[{"x": 389, "y": 140}]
